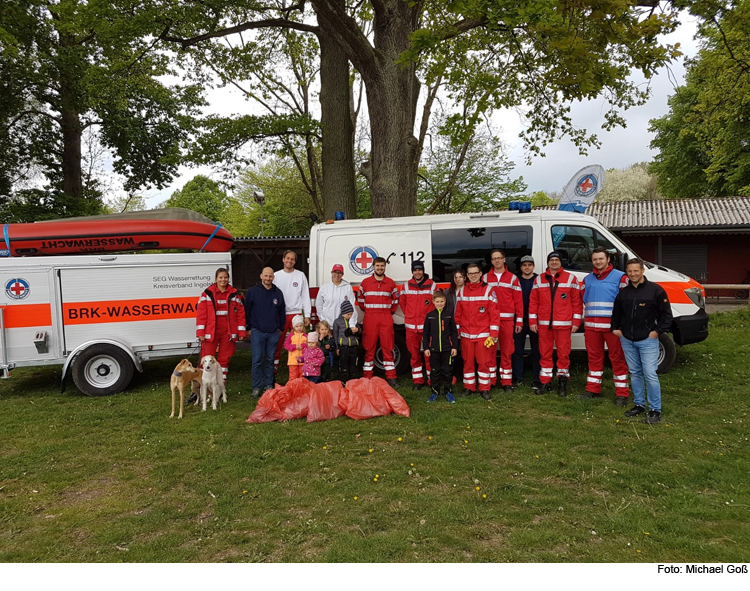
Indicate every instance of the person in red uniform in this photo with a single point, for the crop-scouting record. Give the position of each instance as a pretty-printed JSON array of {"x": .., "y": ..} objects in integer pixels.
[
  {"x": 477, "y": 322},
  {"x": 510, "y": 309},
  {"x": 416, "y": 302},
  {"x": 600, "y": 288},
  {"x": 220, "y": 321},
  {"x": 555, "y": 310},
  {"x": 378, "y": 299}
]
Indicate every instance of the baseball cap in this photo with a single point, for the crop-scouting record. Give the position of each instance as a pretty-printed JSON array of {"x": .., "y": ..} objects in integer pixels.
[
  {"x": 337, "y": 267},
  {"x": 417, "y": 265},
  {"x": 527, "y": 258},
  {"x": 554, "y": 254}
]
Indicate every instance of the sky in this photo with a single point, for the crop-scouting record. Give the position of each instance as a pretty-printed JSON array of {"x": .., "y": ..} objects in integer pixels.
[{"x": 620, "y": 148}]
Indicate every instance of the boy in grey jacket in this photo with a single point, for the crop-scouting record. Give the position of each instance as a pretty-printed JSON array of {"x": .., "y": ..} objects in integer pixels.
[{"x": 346, "y": 338}]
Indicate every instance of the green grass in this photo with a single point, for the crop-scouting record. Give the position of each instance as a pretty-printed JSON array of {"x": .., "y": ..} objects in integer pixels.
[{"x": 114, "y": 479}]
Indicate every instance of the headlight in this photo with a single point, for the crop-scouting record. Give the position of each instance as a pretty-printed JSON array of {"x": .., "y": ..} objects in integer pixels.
[{"x": 696, "y": 296}]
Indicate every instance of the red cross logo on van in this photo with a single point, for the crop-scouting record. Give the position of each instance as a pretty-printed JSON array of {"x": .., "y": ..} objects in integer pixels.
[
  {"x": 17, "y": 289},
  {"x": 361, "y": 259}
]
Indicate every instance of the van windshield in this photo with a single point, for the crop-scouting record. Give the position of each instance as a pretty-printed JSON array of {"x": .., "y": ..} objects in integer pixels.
[{"x": 576, "y": 243}]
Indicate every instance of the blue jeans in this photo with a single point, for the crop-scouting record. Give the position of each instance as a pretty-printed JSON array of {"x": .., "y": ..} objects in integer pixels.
[
  {"x": 263, "y": 346},
  {"x": 643, "y": 359}
]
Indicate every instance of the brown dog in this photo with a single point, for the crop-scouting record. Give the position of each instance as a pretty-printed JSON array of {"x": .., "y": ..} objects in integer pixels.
[{"x": 183, "y": 375}]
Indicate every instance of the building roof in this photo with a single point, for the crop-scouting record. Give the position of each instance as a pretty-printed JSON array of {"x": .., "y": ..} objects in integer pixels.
[{"x": 723, "y": 213}]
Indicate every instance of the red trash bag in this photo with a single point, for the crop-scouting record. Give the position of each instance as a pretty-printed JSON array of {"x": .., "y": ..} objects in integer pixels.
[
  {"x": 283, "y": 402},
  {"x": 367, "y": 398},
  {"x": 325, "y": 402}
]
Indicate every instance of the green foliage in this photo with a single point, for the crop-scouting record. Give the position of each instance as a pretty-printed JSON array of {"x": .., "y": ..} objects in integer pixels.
[
  {"x": 69, "y": 66},
  {"x": 32, "y": 205},
  {"x": 543, "y": 55},
  {"x": 126, "y": 203},
  {"x": 474, "y": 176},
  {"x": 703, "y": 140},
  {"x": 630, "y": 184},
  {"x": 288, "y": 203},
  {"x": 203, "y": 195},
  {"x": 541, "y": 199}
]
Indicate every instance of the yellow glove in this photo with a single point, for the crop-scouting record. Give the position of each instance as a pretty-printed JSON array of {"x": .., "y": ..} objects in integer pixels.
[{"x": 488, "y": 342}]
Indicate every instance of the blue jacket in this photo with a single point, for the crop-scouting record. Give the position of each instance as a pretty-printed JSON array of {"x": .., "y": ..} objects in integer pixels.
[{"x": 265, "y": 308}]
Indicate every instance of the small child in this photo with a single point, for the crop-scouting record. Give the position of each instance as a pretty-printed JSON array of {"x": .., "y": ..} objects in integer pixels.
[
  {"x": 440, "y": 342},
  {"x": 313, "y": 357},
  {"x": 294, "y": 343},
  {"x": 329, "y": 350},
  {"x": 346, "y": 338}
]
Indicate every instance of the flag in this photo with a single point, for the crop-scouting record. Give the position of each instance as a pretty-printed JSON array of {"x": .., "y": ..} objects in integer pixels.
[{"x": 582, "y": 189}]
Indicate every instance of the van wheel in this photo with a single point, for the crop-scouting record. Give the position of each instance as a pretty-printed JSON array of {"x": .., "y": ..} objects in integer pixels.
[
  {"x": 102, "y": 370},
  {"x": 667, "y": 353},
  {"x": 400, "y": 354}
]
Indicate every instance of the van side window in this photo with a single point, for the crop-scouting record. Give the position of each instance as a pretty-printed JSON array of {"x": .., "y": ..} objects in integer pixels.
[
  {"x": 576, "y": 243},
  {"x": 455, "y": 248}
]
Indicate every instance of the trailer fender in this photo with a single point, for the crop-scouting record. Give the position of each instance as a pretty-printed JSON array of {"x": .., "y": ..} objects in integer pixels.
[{"x": 87, "y": 344}]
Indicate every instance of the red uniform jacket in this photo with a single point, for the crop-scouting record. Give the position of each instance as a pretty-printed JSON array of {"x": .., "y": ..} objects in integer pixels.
[
  {"x": 509, "y": 295},
  {"x": 476, "y": 311},
  {"x": 555, "y": 300},
  {"x": 378, "y": 297},
  {"x": 416, "y": 301},
  {"x": 212, "y": 303}
]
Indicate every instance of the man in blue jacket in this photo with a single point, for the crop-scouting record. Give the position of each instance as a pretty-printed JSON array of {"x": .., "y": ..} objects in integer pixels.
[{"x": 265, "y": 313}]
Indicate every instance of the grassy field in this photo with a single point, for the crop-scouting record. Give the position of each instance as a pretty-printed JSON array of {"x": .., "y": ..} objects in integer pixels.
[{"x": 521, "y": 479}]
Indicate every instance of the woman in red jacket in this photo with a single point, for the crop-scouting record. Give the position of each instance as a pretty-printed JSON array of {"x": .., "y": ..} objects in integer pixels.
[{"x": 220, "y": 321}]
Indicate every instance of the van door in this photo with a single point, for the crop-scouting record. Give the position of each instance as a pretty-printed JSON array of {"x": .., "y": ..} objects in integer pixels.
[{"x": 30, "y": 317}]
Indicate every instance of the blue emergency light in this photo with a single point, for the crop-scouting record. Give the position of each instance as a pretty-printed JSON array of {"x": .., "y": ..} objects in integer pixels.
[{"x": 339, "y": 215}]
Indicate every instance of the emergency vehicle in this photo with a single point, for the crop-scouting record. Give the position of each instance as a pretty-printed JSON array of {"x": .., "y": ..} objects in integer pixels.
[
  {"x": 101, "y": 316},
  {"x": 449, "y": 242}
]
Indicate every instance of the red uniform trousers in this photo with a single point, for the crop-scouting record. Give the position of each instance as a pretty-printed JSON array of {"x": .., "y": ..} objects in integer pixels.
[
  {"x": 507, "y": 345},
  {"x": 493, "y": 363},
  {"x": 474, "y": 351},
  {"x": 221, "y": 341},
  {"x": 287, "y": 329},
  {"x": 595, "y": 340},
  {"x": 548, "y": 340},
  {"x": 414, "y": 345},
  {"x": 378, "y": 325}
]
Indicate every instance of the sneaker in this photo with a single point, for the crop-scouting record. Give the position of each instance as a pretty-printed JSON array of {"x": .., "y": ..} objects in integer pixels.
[
  {"x": 587, "y": 394},
  {"x": 256, "y": 393},
  {"x": 537, "y": 388},
  {"x": 518, "y": 381},
  {"x": 621, "y": 401},
  {"x": 467, "y": 392},
  {"x": 192, "y": 398},
  {"x": 654, "y": 416},
  {"x": 486, "y": 395},
  {"x": 548, "y": 387},
  {"x": 507, "y": 389},
  {"x": 450, "y": 398},
  {"x": 433, "y": 397},
  {"x": 271, "y": 387},
  {"x": 418, "y": 386},
  {"x": 635, "y": 411},
  {"x": 392, "y": 382}
]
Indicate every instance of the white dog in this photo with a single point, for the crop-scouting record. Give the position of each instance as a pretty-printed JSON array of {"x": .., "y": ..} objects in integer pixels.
[{"x": 213, "y": 380}]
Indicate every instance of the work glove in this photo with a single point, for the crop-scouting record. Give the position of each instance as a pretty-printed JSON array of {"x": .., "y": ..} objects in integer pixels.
[{"x": 488, "y": 342}]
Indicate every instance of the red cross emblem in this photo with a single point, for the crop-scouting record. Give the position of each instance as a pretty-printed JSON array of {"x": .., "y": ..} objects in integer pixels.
[
  {"x": 17, "y": 289},
  {"x": 364, "y": 259},
  {"x": 586, "y": 185}
]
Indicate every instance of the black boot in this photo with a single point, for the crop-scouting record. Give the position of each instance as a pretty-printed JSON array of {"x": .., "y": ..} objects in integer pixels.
[{"x": 562, "y": 386}]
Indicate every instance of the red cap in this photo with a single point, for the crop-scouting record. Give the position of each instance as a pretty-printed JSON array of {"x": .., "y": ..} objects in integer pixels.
[{"x": 339, "y": 268}]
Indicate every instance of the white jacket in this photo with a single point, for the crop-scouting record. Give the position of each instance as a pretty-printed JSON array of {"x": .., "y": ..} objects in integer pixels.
[
  {"x": 296, "y": 291},
  {"x": 329, "y": 299}
]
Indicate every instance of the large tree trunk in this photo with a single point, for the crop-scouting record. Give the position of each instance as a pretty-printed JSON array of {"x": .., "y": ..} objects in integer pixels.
[
  {"x": 392, "y": 93},
  {"x": 338, "y": 186},
  {"x": 72, "y": 181}
]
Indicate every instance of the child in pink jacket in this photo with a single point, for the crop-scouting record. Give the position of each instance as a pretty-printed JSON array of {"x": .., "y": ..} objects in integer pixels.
[
  {"x": 295, "y": 344},
  {"x": 313, "y": 358}
]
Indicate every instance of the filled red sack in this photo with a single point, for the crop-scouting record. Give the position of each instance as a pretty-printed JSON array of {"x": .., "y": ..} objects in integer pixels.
[
  {"x": 283, "y": 403},
  {"x": 324, "y": 402},
  {"x": 367, "y": 398}
]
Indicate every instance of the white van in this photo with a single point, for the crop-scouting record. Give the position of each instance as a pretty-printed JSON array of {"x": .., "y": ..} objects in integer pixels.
[
  {"x": 449, "y": 242},
  {"x": 101, "y": 315}
]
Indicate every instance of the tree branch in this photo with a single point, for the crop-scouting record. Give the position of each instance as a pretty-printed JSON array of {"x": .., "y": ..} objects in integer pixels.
[
  {"x": 346, "y": 32},
  {"x": 266, "y": 23}
]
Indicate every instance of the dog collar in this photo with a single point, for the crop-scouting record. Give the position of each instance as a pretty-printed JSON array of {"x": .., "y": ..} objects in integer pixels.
[{"x": 178, "y": 373}]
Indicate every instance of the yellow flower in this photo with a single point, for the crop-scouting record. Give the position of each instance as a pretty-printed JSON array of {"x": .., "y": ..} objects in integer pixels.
[
  {"x": 355, "y": 498},
  {"x": 374, "y": 479},
  {"x": 468, "y": 426},
  {"x": 429, "y": 437},
  {"x": 646, "y": 533},
  {"x": 244, "y": 492},
  {"x": 477, "y": 488},
  {"x": 537, "y": 457},
  {"x": 638, "y": 551},
  {"x": 411, "y": 464},
  {"x": 484, "y": 496},
  {"x": 400, "y": 439},
  {"x": 325, "y": 447},
  {"x": 377, "y": 475},
  {"x": 617, "y": 421},
  {"x": 466, "y": 441}
]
